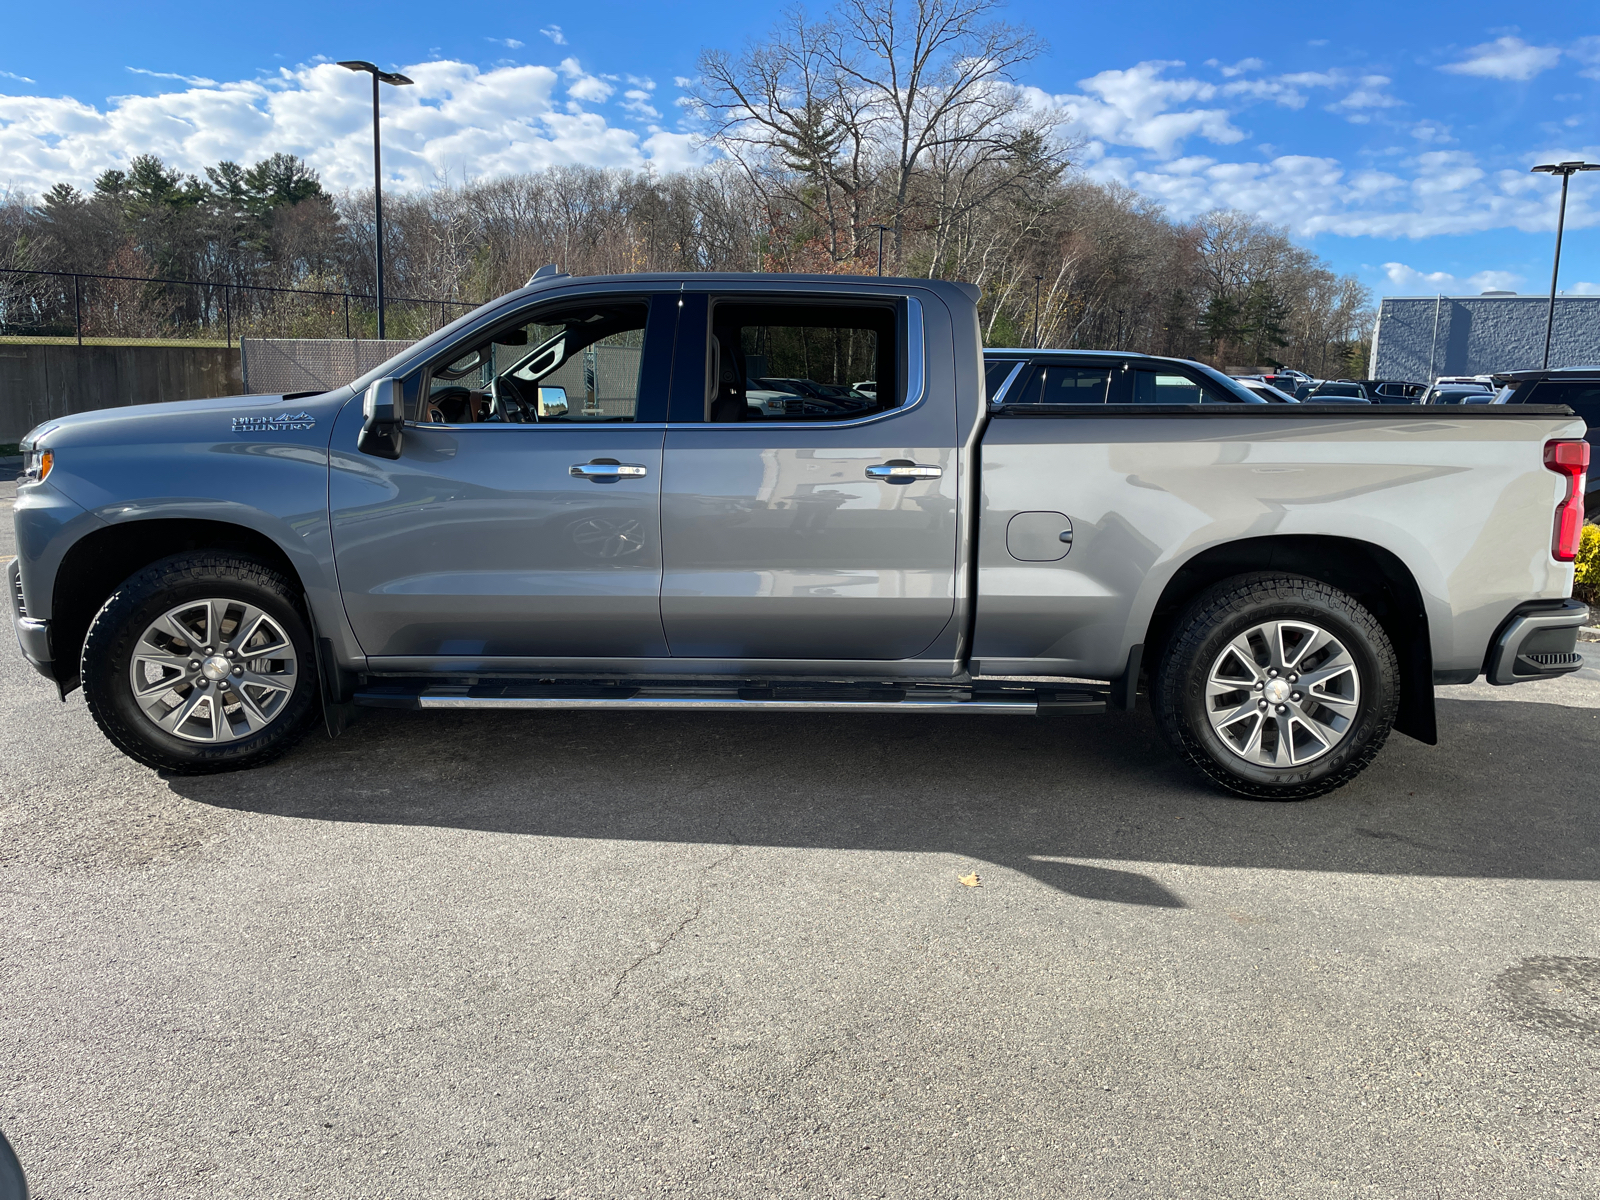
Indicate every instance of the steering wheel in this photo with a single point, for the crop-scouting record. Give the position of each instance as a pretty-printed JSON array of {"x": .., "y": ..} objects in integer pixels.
[{"x": 508, "y": 402}]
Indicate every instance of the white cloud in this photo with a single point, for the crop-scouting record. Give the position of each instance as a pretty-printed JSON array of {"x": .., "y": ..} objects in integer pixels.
[
  {"x": 1581, "y": 289},
  {"x": 197, "y": 80},
  {"x": 1238, "y": 68},
  {"x": 1368, "y": 94},
  {"x": 585, "y": 86},
  {"x": 18, "y": 78},
  {"x": 553, "y": 32},
  {"x": 459, "y": 121},
  {"x": 508, "y": 43},
  {"x": 1408, "y": 281},
  {"x": 1506, "y": 58},
  {"x": 1130, "y": 108},
  {"x": 1432, "y": 132},
  {"x": 637, "y": 101}
]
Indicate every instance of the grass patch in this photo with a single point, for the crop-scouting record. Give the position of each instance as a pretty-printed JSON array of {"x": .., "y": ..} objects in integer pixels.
[{"x": 15, "y": 340}]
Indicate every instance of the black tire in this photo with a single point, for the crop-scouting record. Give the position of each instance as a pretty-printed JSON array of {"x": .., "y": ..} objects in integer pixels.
[
  {"x": 1230, "y": 610},
  {"x": 142, "y": 599}
]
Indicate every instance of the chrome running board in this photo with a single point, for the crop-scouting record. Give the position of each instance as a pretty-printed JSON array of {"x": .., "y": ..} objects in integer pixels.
[
  {"x": 1017, "y": 701},
  {"x": 450, "y": 699}
]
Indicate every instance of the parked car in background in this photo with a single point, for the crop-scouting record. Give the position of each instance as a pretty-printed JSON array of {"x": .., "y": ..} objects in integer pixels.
[
  {"x": 1265, "y": 390},
  {"x": 1034, "y": 377},
  {"x": 1337, "y": 391},
  {"x": 1576, "y": 387},
  {"x": 867, "y": 387},
  {"x": 1459, "y": 393},
  {"x": 1285, "y": 381},
  {"x": 1393, "y": 391}
]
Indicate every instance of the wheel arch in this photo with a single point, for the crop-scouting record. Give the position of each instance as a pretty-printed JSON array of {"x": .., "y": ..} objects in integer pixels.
[
  {"x": 95, "y": 565},
  {"x": 1374, "y": 576}
]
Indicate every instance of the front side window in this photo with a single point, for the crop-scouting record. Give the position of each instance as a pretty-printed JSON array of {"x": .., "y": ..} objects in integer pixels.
[
  {"x": 1160, "y": 387},
  {"x": 801, "y": 362},
  {"x": 578, "y": 362},
  {"x": 1055, "y": 384}
]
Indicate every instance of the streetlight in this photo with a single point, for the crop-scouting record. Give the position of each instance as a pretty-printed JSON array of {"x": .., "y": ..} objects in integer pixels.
[
  {"x": 882, "y": 229},
  {"x": 1566, "y": 170},
  {"x": 377, "y": 162}
]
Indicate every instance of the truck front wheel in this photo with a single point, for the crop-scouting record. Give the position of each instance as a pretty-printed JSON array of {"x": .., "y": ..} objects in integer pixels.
[
  {"x": 1277, "y": 687},
  {"x": 201, "y": 663}
]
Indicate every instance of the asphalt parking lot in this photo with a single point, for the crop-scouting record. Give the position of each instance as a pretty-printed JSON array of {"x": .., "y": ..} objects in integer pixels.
[{"x": 577, "y": 955}]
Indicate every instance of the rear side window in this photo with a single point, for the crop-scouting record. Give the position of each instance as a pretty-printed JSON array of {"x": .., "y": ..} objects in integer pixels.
[
  {"x": 801, "y": 362},
  {"x": 1057, "y": 384},
  {"x": 1157, "y": 387}
]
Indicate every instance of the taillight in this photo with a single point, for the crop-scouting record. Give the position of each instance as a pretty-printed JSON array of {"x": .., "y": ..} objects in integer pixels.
[{"x": 1570, "y": 459}]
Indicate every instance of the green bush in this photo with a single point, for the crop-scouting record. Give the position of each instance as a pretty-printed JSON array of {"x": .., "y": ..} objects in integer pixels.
[{"x": 1586, "y": 583}]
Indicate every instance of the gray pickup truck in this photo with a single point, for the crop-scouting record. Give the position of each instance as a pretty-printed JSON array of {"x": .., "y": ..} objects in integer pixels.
[{"x": 664, "y": 492}]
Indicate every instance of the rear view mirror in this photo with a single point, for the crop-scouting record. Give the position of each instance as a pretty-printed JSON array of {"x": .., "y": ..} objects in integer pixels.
[
  {"x": 383, "y": 412},
  {"x": 552, "y": 402}
]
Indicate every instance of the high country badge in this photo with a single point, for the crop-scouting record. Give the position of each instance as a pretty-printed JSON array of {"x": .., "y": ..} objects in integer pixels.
[{"x": 281, "y": 423}]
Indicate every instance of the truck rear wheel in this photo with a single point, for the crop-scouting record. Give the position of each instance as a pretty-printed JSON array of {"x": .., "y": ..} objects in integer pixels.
[
  {"x": 1277, "y": 687},
  {"x": 201, "y": 663}
]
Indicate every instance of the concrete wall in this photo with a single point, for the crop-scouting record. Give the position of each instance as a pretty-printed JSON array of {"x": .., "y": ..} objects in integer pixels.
[
  {"x": 1420, "y": 338},
  {"x": 38, "y": 382}
]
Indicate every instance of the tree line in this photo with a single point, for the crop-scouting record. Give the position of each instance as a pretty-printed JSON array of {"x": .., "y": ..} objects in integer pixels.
[{"x": 883, "y": 135}]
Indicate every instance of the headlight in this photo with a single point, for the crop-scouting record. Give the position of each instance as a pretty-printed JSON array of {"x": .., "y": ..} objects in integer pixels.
[{"x": 36, "y": 465}]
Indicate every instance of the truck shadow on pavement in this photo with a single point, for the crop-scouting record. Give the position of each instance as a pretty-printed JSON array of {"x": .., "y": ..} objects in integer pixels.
[{"x": 1080, "y": 804}]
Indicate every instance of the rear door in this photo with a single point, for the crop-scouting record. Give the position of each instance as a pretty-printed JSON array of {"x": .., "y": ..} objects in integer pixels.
[{"x": 828, "y": 531}]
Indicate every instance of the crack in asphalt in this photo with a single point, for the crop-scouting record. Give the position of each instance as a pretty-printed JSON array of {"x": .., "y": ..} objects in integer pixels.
[{"x": 661, "y": 947}]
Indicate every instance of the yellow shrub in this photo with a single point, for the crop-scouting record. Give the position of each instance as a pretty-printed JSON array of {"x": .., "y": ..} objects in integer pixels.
[{"x": 1586, "y": 583}]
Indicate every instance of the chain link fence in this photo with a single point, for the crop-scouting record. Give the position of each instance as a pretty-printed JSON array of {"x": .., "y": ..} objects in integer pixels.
[
  {"x": 64, "y": 305},
  {"x": 273, "y": 366}
]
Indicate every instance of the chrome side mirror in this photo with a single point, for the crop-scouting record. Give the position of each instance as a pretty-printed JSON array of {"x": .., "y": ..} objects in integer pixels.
[
  {"x": 383, "y": 410},
  {"x": 552, "y": 402}
]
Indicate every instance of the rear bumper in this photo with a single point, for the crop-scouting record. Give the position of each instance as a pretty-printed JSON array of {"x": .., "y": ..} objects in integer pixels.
[
  {"x": 1538, "y": 641},
  {"x": 33, "y": 636}
]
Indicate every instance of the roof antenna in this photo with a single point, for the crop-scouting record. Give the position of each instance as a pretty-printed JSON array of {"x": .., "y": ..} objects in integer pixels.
[{"x": 548, "y": 271}]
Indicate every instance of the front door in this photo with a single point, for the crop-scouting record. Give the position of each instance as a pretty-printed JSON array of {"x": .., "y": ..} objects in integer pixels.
[
  {"x": 810, "y": 484},
  {"x": 522, "y": 519}
]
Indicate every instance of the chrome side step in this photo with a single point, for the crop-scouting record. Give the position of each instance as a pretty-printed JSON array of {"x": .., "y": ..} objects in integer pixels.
[
  {"x": 1017, "y": 702},
  {"x": 440, "y": 698}
]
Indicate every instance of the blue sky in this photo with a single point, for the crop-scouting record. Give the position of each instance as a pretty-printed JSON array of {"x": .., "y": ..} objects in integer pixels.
[{"x": 1392, "y": 138}]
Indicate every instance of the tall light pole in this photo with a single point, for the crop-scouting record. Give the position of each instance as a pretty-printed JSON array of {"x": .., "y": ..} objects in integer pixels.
[
  {"x": 377, "y": 163},
  {"x": 882, "y": 229},
  {"x": 1037, "y": 279},
  {"x": 1566, "y": 170}
]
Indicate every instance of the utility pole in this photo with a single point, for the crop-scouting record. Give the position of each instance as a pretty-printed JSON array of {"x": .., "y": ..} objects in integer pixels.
[
  {"x": 1036, "y": 281},
  {"x": 1566, "y": 170},
  {"x": 377, "y": 165}
]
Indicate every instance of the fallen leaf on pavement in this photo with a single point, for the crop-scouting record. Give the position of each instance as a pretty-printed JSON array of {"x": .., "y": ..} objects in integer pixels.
[{"x": 971, "y": 880}]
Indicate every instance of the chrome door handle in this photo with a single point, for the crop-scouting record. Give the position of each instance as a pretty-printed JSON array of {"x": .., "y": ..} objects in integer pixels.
[
  {"x": 903, "y": 472},
  {"x": 606, "y": 472}
]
